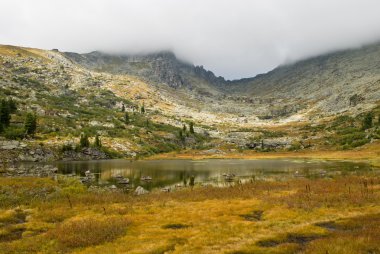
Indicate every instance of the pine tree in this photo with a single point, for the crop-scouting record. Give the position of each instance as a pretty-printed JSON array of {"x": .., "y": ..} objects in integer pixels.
[
  {"x": 184, "y": 128},
  {"x": 142, "y": 109},
  {"x": 123, "y": 108},
  {"x": 181, "y": 137},
  {"x": 192, "y": 181},
  {"x": 97, "y": 142},
  {"x": 367, "y": 122},
  {"x": 30, "y": 124},
  {"x": 126, "y": 118},
  {"x": 12, "y": 106},
  {"x": 191, "y": 127},
  {"x": 83, "y": 142},
  {"x": 5, "y": 116}
]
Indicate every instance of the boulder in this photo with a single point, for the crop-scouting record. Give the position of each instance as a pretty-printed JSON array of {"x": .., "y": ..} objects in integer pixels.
[
  {"x": 9, "y": 145},
  {"x": 140, "y": 191}
]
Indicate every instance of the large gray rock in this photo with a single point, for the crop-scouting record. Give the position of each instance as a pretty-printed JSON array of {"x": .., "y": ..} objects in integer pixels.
[
  {"x": 9, "y": 145},
  {"x": 140, "y": 191}
]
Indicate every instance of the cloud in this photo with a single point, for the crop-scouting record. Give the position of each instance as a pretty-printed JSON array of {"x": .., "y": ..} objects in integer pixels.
[{"x": 233, "y": 38}]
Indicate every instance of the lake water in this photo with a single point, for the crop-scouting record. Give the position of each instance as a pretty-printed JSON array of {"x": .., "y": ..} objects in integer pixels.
[{"x": 168, "y": 173}]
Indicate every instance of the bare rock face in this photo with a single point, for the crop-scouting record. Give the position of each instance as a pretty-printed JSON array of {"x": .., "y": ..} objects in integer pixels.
[
  {"x": 11, "y": 145},
  {"x": 160, "y": 67},
  {"x": 85, "y": 154},
  {"x": 271, "y": 143}
]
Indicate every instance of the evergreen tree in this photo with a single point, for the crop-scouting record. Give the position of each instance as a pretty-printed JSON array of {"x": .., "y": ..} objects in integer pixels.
[
  {"x": 181, "y": 137},
  {"x": 123, "y": 108},
  {"x": 30, "y": 124},
  {"x": 97, "y": 142},
  {"x": 12, "y": 106},
  {"x": 184, "y": 128},
  {"x": 191, "y": 127},
  {"x": 126, "y": 118},
  {"x": 83, "y": 142},
  {"x": 142, "y": 109},
  {"x": 367, "y": 122},
  {"x": 192, "y": 181},
  {"x": 5, "y": 116}
]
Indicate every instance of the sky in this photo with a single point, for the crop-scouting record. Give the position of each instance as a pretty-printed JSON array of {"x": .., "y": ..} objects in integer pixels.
[{"x": 232, "y": 38}]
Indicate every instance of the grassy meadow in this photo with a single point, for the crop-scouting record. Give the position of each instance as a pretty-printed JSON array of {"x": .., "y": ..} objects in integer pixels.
[{"x": 339, "y": 215}]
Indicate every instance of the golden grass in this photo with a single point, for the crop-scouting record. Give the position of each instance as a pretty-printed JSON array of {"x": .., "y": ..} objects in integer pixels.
[
  {"x": 204, "y": 220},
  {"x": 9, "y": 50},
  {"x": 354, "y": 235},
  {"x": 88, "y": 231},
  {"x": 367, "y": 152}
]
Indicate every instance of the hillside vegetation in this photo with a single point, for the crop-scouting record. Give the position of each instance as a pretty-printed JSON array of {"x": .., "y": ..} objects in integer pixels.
[{"x": 144, "y": 105}]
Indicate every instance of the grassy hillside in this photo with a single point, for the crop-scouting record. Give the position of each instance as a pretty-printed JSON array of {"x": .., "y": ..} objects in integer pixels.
[
  {"x": 69, "y": 100},
  {"x": 91, "y": 94}
]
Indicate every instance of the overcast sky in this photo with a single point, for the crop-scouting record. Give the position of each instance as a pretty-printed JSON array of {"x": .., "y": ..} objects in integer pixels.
[{"x": 233, "y": 38}]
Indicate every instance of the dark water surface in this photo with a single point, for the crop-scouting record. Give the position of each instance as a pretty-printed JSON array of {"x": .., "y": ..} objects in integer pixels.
[{"x": 166, "y": 173}]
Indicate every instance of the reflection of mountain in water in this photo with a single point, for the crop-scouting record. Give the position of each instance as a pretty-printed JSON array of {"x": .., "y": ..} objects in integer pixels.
[{"x": 171, "y": 172}]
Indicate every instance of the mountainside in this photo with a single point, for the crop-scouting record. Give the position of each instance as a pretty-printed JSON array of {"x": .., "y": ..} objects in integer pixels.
[
  {"x": 161, "y": 67},
  {"x": 336, "y": 81},
  {"x": 348, "y": 80},
  {"x": 144, "y": 105}
]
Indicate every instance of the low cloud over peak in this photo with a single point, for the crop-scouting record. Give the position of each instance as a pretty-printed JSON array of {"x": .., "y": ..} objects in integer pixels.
[{"x": 233, "y": 38}]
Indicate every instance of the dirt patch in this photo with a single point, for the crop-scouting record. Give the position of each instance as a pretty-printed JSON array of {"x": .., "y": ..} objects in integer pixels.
[
  {"x": 175, "y": 226},
  {"x": 329, "y": 225},
  {"x": 256, "y": 215},
  {"x": 290, "y": 238}
]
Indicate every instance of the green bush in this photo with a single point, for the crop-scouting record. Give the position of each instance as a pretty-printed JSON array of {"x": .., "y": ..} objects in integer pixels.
[
  {"x": 67, "y": 147},
  {"x": 367, "y": 121},
  {"x": 360, "y": 142},
  {"x": 350, "y": 138},
  {"x": 295, "y": 146},
  {"x": 347, "y": 130},
  {"x": 14, "y": 133}
]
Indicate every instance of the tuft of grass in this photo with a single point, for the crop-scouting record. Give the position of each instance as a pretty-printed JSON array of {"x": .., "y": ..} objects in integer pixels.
[
  {"x": 354, "y": 235},
  {"x": 89, "y": 231}
]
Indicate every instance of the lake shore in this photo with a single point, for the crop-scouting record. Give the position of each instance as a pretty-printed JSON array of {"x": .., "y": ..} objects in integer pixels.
[{"x": 370, "y": 152}]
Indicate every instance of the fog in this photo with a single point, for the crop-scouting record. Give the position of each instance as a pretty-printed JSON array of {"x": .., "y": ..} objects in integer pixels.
[{"x": 233, "y": 38}]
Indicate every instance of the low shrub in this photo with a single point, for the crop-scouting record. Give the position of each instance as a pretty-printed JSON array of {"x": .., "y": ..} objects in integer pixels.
[
  {"x": 89, "y": 231},
  {"x": 14, "y": 133}
]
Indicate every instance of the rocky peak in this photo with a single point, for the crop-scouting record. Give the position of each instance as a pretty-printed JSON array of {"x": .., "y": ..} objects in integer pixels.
[{"x": 159, "y": 67}]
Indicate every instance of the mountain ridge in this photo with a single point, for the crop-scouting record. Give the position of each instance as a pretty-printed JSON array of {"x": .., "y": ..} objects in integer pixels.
[{"x": 71, "y": 97}]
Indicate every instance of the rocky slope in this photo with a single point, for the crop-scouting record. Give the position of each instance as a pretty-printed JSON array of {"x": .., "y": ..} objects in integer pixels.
[
  {"x": 291, "y": 107},
  {"x": 161, "y": 67},
  {"x": 348, "y": 80},
  {"x": 70, "y": 99},
  {"x": 342, "y": 81}
]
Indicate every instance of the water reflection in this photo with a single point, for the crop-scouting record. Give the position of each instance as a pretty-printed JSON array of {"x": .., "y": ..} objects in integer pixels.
[{"x": 178, "y": 172}]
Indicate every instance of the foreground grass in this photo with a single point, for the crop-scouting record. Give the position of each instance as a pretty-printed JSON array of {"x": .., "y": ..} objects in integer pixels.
[{"x": 339, "y": 215}]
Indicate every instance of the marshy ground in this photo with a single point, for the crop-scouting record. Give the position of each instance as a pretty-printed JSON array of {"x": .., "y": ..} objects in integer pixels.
[{"x": 337, "y": 215}]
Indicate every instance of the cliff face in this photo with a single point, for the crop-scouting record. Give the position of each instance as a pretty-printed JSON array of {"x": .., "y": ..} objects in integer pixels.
[{"x": 162, "y": 67}]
